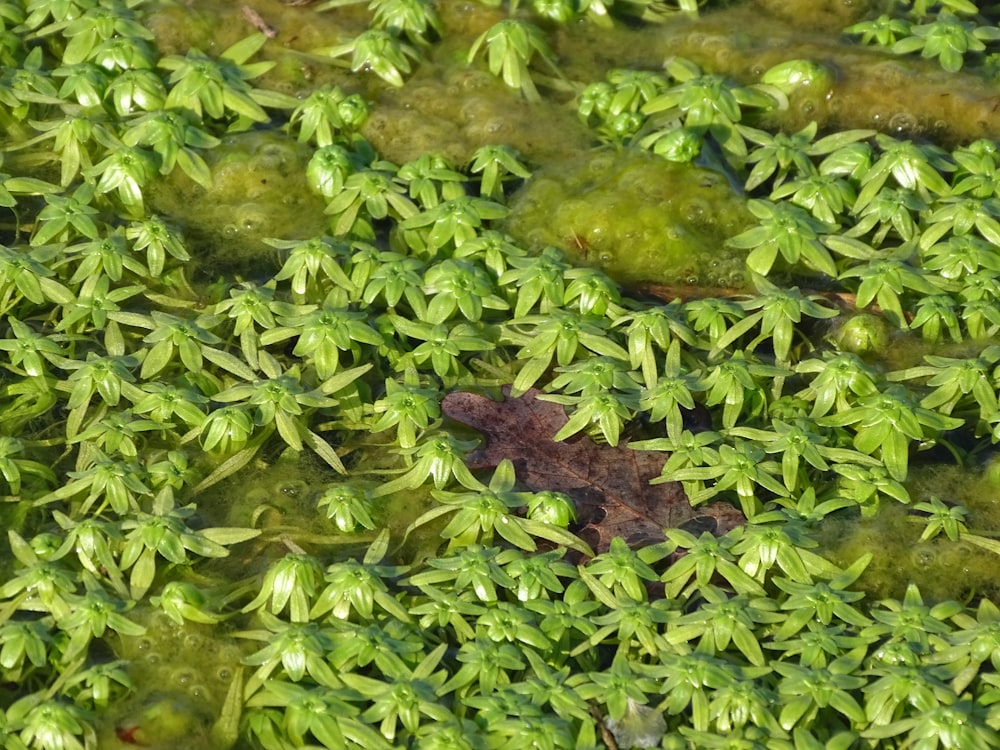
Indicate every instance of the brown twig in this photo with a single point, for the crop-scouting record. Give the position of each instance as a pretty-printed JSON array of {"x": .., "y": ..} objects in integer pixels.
[
  {"x": 258, "y": 22},
  {"x": 609, "y": 739}
]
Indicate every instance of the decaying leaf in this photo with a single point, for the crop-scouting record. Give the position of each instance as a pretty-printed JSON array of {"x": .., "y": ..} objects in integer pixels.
[{"x": 610, "y": 485}]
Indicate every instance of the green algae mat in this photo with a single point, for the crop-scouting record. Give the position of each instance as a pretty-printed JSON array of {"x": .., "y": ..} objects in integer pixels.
[{"x": 464, "y": 375}]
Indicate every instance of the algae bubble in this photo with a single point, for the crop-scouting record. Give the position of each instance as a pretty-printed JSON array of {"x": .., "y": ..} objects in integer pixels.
[
  {"x": 637, "y": 217},
  {"x": 863, "y": 333}
]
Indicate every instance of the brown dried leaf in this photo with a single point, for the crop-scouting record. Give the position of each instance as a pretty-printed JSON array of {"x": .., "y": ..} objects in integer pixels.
[{"x": 609, "y": 484}]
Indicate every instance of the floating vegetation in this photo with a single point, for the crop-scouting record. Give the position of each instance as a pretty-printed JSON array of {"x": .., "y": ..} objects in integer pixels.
[{"x": 463, "y": 375}]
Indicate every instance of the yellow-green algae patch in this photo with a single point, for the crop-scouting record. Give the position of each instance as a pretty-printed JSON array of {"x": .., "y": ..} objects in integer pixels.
[
  {"x": 869, "y": 87},
  {"x": 258, "y": 190},
  {"x": 637, "y": 217},
  {"x": 452, "y": 111},
  {"x": 943, "y": 568},
  {"x": 183, "y": 674},
  {"x": 283, "y": 499}
]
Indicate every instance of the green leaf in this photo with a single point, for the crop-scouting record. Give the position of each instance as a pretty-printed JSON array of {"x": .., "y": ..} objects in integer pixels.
[
  {"x": 229, "y": 535},
  {"x": 244, "y": 49}
]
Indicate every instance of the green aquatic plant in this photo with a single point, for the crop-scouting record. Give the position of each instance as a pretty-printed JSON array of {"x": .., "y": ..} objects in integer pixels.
[
  {"x": 612, "y": 107},
  {"x": 379, "y": 51},
  {"x": 452, "y": 222},
  {"x": 561, "y": 336},
  {"x": 777, "y": 310},
  {"x": 882, "y": 421},
  {"x": 430, "y": 180},
  {"x": 707, "y": 104},
  {"x": 203, "y": 85},
  {"x": 416, "y": 19},
  {"x": 237, "y": 511},
  {"x": 377, "y": 190},
  {"x": 947, "y": 38},
  {"x": 496, "y": 163},
  {"x": 440, "y": 345},
  {"x": 912, "y": 166},
  {"x": 510, "y": 46},
  {"x": 480, "y": 515},
  {"x": 328, "y": 112}
]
